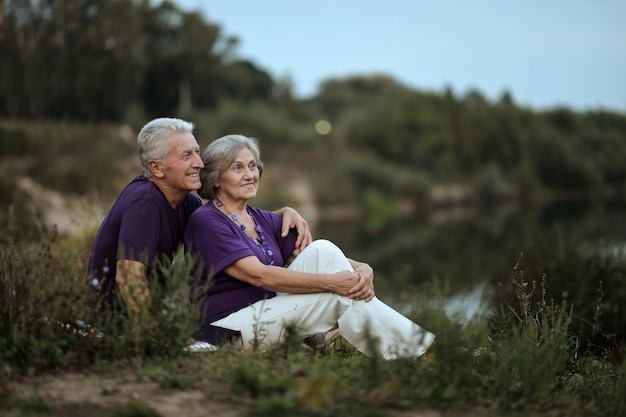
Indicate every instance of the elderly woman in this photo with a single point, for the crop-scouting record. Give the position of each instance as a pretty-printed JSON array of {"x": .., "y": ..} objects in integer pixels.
[{"x": 245, "y": 292}]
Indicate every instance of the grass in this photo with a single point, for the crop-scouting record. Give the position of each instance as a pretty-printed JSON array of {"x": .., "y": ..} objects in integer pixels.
[{"x": 523, "y": 360}]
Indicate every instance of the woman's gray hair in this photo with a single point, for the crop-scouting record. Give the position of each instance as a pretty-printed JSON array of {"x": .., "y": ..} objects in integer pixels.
[
  {"x": 153, "y": 140},
  {"x": 219, "y": 155}
]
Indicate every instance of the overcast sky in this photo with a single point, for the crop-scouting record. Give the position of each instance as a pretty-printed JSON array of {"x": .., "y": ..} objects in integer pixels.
[{"x": 544, "y": 52}]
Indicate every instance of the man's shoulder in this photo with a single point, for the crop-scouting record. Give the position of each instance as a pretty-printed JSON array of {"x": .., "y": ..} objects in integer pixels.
[
  {"x": 193, "y": 200},
  {"x": 140, "y": 183},
  {"x": 143, "y": 187},
  {"x": 139, "y": 189}
]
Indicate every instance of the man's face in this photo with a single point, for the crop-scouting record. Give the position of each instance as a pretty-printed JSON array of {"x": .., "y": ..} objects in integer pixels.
[{"x": 183, "y": 163}]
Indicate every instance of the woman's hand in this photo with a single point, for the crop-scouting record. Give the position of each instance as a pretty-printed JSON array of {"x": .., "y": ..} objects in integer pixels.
[
  {"x": 343, "y": 282},
  {"x": 291, "y": 219},
  {"x": 364, "y": 288}
]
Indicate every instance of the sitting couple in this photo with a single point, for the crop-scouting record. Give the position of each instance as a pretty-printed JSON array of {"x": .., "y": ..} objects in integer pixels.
[{"x": 244, "y": 288}]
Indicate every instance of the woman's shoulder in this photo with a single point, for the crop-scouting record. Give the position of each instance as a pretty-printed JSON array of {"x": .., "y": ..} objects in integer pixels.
[
  {"x": 205, "y": 211},
  {"x": 208, "y": 216},
  {"x": 270, "y": 221},
  {"x": 255, "y": 211},
  {"x": 265, "y": 215},
  {"x": 204, "y": 222}
]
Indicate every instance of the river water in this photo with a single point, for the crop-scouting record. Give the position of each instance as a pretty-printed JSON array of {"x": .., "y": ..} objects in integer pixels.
[{"x": 471, "y": 253}]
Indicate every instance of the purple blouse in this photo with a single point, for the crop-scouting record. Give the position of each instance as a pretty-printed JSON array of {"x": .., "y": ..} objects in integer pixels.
[{"x": 217, "y": 242}]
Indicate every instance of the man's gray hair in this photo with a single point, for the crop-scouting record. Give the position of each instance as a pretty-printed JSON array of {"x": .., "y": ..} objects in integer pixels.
[{"x": 153, "y": 140}]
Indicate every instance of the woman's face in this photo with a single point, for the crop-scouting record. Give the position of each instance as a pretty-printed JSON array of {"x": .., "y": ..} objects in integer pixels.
[{"x": 240, "y": 181}]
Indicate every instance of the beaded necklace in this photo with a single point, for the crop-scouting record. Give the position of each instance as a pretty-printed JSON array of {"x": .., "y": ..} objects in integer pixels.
[{"x": 260, "y": 240}]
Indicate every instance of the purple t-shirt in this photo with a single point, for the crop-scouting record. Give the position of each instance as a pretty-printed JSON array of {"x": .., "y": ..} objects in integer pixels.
[
  {"x": 218, "y": 242},
  {"x": 141, "y": 226}
]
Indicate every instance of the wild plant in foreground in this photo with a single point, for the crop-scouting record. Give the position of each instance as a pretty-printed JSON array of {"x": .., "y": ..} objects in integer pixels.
[
  {"x": 49, "y": 316},
  {"x": 165, "y": 326},
  {"x": 525, "y": 359},
  {"x": 533, "y": 346},
  {"x": 41, "y": 308}
]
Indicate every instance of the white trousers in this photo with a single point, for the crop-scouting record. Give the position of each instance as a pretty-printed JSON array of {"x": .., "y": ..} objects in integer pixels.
[{"x": 366, "y": 325}]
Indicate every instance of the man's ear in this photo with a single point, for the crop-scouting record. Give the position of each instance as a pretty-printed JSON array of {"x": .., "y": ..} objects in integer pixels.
[{"x": 156, "y": 170}]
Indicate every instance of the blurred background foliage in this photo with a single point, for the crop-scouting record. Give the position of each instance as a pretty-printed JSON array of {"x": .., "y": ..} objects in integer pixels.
[{"x": 94, "y": 63}]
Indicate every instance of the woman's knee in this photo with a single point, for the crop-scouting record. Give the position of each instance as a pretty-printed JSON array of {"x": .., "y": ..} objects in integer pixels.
[
  {"x": 321, "y": 256},
  {"x": 324, "y": 247}
]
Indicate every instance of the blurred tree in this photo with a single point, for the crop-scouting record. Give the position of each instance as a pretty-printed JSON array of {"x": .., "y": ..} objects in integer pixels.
[
  {"x": 89, "y": 59},
  {"x": 559, "y": 166},
  {"x": 183, "y": 61},
  {"x": 562, "y": 119},
  {"x": 405, "y": 126},
  {"x": 243, "y": 81},
  {"x": 69, "y": 59},
  {"x": 335, "y": 96}
]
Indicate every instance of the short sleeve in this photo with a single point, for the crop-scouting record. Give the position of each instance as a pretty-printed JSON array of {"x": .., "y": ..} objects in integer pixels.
[{"x": 216, "y": 241}]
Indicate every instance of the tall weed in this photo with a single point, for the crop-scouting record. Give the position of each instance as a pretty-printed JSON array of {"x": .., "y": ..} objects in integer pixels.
[
  {"x": 533, "y": 346},
  {"x": 41, "y": 307},
  {"x": 49, "y": 316}
]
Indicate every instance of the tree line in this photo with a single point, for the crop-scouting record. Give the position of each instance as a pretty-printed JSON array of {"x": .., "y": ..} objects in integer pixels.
[
  {"x": 92, "y": 60},
  {"x": 87, "y": 60},
  {"x": 498, "y": 147}
]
